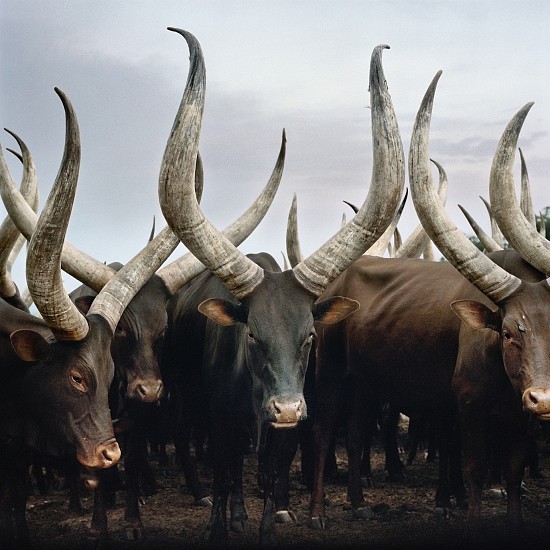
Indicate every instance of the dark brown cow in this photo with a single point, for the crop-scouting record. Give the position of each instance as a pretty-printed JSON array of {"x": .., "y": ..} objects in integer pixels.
[
  {"x": 502, "y": 369},
  {"x": 58, "y": 370},
  {"x": 369, "y": 358},
  {"x": 406, "y": 343},
  {"x": 260, "y": 324}
]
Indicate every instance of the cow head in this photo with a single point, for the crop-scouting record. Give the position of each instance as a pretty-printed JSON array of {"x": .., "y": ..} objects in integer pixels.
[
  {"x": 137, "y": 344},
  {"x": 521, "y": 320},
  {"x": 75, "y": 367},
  {"x": 522, "y": 326},
  {"x": 138, "y": 339},
  {"x": 276, "y": 333},
  {"x": 64, "y": 393}
]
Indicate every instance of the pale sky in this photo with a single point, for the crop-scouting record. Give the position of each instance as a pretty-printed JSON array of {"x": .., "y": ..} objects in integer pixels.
[{"x": 298, "y": 65}]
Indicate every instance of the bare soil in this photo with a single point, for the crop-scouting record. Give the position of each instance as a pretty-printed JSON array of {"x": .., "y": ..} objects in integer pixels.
[{"x": 403, "y": 514}]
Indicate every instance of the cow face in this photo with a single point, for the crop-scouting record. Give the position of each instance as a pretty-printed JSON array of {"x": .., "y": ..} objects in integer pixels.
[
  {"x": 62, "y": 396},
  {"x": 138, "y": 339},
  {"x": 277, "y": 333},
  {"x": 523, "y": 325}
]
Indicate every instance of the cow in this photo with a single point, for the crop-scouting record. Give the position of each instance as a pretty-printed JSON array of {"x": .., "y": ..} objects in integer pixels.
[
  {"x": 385, "y": 415},
  {"x": 139, "y": 334},
  {"x": 260, "y": 321},
  {"x": 502, "y": 372},
  {"x": 58, "y": 368},
  {"x": 408, "y": 346}
]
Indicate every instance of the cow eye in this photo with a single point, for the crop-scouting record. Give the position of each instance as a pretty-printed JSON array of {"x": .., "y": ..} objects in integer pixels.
[
  {"x": 507, "y": 335},
  {"x": 77, "y": 380},
  {"x": 251, "y": 336}
]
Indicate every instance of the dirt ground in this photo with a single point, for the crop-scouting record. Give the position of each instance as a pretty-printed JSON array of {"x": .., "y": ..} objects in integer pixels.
[{"x": 404, "y": 514}]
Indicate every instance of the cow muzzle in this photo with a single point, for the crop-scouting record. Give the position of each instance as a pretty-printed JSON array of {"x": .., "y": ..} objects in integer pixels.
[
  {"x": 147, "y": 391},
  {"x": 286, "y": 411},
  {"x": 105, "y": 455},
  {"x": 536, "y": 401}
]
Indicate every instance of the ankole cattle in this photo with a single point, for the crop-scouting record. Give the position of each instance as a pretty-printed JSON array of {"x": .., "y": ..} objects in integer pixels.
[
  {"x": 502, "y": 372},
  {"x": 58, "y": 369},
  {"x": 260, "y": 321}
]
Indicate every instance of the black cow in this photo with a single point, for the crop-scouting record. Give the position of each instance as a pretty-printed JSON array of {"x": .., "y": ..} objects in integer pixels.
[{"x": 260, "y": 325}]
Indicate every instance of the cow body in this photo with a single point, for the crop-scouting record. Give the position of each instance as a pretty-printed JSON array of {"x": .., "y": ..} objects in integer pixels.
[
  {"x": 402, "y": 346},
  {"x": 385, "y": 352},
  {"x": 136, "y": 388},
  {"x": 55, "y": 404},
  {"x": 251, "y": 372},
  {"x": 501, "y": 378}
]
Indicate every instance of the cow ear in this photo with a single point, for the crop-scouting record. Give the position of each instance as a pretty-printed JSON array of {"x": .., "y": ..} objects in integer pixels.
[
  {"x": 83, "y": 303},
  {"x": 476, "y": 315},
  {"x": 334, "y": 309},
  {"x": 30, "y": 345},
  {"x": 221, "y": 311}
]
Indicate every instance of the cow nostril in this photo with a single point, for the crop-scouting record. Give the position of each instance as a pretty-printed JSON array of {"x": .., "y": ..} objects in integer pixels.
[
  {"x": 533, "y": 398},
  {"x": 149, "y": 391},
  {"x": 111, "y": 453}
]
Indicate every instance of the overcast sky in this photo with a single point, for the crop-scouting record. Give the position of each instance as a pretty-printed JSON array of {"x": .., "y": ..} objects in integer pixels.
[{"x": 298, "y": 65}]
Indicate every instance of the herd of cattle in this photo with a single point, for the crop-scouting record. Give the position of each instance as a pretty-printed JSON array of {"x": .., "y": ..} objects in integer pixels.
[{"x": 232, "y": 345}]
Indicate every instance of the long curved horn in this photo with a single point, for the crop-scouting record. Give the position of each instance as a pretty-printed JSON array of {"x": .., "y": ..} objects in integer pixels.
[
  {"x": 418, "y": 241},
  {"x": 176, "y": 194},
  {"x": 524, "y": 238},
  {"x": 384, "y": 241},
  {"x": 44, "y": 250},
  {"x": 495, "y": 282},
  {"x": 10, "y": 237},
  {"x": 285, "y": 262},
  {"x": 525, "y": 201},
  {"x": 119, "y": 291},
  {"x": 387, "y": 183},
  {"x": 293, "y": 248},
  {"x": 489, "y": 244},
  {"x": 178, "y": 272},
  {"x": 496, "y": 233},
  {"x": 74, "y": 262},
  {"x": 234, "y": 269},
  {"x": 152, "y": 234},
  {"x": 429, "y": 253}
]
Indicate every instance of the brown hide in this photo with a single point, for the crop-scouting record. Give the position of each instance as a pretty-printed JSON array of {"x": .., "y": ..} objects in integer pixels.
[
  {"x": 402, "y": 345},
  {"x": 404, "y": 337}
]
